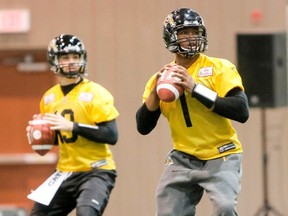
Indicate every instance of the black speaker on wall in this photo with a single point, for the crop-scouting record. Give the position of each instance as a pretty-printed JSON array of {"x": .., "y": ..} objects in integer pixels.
[{"x": 262, "y": 63}]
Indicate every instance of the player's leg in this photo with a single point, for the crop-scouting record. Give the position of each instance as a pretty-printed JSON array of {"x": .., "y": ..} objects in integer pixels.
[
  {"x": 59, "y": 206},
  {"x": 95, "y": 193},
  {"x": 176, "y": 193},
  {"x": 224, "y": 184},
  {"x": 39, "y": 210},
  {"x": 87, "y": 210}
]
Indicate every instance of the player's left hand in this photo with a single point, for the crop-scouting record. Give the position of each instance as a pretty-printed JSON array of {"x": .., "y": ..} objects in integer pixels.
[
  {"x": 185, "y": 79},
  {"x": 28, "y": 128},
  {"x": 58, "y": 122}
]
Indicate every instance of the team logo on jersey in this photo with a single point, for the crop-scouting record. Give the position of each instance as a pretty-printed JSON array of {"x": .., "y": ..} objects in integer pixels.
[
  {"x": 226, "y": 147},
  {"x": 207, "y": 71},
  {"x": 85, "y": 96},
  {"x": 99, "y": 163},
  {"x": 49, "y": 98},
  {"x": 168, "y": 161}
]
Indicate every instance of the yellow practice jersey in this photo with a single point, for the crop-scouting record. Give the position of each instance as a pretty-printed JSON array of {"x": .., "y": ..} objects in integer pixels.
[
  {"x": 87, "y": 103},
  {"x": 211, "y": 135}
]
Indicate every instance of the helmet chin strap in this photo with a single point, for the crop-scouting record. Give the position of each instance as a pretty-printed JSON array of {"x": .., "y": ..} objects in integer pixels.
[
  {"x": 187, "y": 52},
  {"x": 190, "y": 52},
  {"x": 70, "y": 74}
]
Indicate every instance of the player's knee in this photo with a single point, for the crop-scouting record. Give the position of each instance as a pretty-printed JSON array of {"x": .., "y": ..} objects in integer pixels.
[
  {"x": 226, "y": 208},
  {"x": 86, "y": 211}
]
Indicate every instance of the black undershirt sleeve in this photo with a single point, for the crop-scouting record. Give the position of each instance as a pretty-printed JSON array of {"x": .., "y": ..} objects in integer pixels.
[
  {"x": 233, "y": 106},
  {"x": 146, "y": 120},
  {"x": 105, "y": 132}
]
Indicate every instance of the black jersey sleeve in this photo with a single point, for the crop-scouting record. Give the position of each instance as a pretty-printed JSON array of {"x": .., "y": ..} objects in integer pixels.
[
  {"x": 146, "y": 120},
  {"x": 105, "y": 132},
  {"x": 233, "y": 106}
]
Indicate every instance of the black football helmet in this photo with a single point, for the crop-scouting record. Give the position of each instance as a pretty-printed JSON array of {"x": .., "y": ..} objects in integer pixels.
[
  {"x": 180, "y": 19},
  {"x": 64, "y": 44}
]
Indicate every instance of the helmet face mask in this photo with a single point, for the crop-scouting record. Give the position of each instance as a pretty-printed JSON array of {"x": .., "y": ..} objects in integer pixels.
[
  {"x": 181, "y": 19},
  {"x": 66, "y": 44}
]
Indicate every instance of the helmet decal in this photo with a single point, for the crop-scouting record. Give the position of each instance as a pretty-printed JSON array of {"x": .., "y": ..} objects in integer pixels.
[{"x": 169, "y": 20}]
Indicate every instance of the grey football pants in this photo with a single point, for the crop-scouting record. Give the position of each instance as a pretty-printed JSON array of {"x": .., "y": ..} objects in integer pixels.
[{"x": 185, "y": 178}]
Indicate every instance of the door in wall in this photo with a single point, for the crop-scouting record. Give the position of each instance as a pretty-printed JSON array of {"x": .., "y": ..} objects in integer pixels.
[{"x": 25, "y": 76}]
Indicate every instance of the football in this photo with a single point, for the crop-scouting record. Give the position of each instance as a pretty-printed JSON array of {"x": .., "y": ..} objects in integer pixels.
[
  {"x": 166, "y": 89},
  {"x": 40, "y": 136}
]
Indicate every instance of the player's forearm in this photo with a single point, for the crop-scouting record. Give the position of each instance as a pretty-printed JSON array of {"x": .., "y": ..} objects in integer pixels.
[
  {"x": 233, "y": 107},
  {"x": 146, "y": 120},
  {"x": 105, "y": 132},
  {"x": 152, "y": 102}
]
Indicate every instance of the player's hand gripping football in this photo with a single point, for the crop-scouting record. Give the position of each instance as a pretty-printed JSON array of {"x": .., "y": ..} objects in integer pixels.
[
  {"x": 58, "y": 122},
  {"x": 185, "y": 79},
  {"x": 28, "y": 128}
]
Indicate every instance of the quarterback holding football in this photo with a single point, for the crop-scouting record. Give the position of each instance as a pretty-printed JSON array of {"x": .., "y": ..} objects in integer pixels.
[
  {"x": 83, "y": 115},
  {"x": 207, "y": 153}
]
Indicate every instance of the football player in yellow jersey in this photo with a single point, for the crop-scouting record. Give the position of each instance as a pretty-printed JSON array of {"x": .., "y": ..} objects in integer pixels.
[
  {"x": 83, "y": 114},
  {"x": 206, "y": 153}
]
